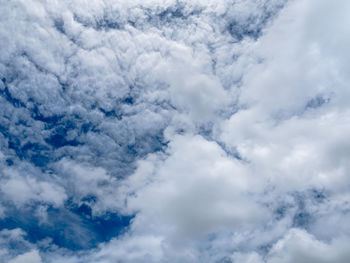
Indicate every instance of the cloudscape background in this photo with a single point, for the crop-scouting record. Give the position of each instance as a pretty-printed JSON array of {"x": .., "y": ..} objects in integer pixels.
[{"x": 174, "y": 131}]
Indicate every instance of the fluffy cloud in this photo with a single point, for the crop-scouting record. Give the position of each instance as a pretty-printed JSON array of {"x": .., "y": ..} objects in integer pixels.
[
  {"x": 30, "y": 257},
  {"x": 197, "y": 190},
  {"x": 299, "y": 246},
  {"x": 174, "y": 131},
  {"x": 22, "y": 190}
]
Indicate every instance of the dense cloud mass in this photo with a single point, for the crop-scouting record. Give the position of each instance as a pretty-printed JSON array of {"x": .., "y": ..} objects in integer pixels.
[{"x": 174, "y": 131}]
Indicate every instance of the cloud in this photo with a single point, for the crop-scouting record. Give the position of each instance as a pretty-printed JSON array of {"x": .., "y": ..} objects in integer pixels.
[
  {"x": 23, "y": 189},
  {"x": 30, "y": 257},
  {"x": 174, "y": 131},
  {"x": 14, "y": 247},
  {"x": 196, "y": 190},
  {"x": 300, "y": 246}
]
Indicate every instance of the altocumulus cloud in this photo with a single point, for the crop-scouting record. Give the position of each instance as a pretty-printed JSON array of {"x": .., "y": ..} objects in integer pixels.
[{"x": 174, "y": 131}]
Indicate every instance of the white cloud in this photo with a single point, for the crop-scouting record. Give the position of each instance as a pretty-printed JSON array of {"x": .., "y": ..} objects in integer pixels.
[
  {"x": 196, "y": 190},
  {"x": 86, "y": 180},
  {"x": 290, "y": 138},
  {"x": 29, "y": 257},
  {"x": 131, "y": 249},
  {"x": 212, "y": 121},
  {"x": 299, "y": 246},
  {"x": 247, "y": 257},
  {"x": 22, "y": 190},
  {"x": 14, "y": 247}
]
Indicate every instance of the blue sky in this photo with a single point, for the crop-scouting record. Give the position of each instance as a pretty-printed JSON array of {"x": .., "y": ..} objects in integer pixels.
[{"x": 174, "y": 131}]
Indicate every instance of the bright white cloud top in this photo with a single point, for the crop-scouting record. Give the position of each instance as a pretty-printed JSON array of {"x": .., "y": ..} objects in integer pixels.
[{"x": 174, "y": 131}]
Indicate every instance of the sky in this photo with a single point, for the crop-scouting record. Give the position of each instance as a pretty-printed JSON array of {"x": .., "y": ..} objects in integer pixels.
[{"x": 211, "y": 131}]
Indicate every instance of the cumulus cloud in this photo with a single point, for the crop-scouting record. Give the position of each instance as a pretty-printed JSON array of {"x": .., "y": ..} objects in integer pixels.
[
  {"x": 300, "y": 246},
  {"x": 197, "y": 190},
  {"x": 21, "y": 190},
  {"x": 174, "y": 131},
  {"x": 30, "y": 257}
]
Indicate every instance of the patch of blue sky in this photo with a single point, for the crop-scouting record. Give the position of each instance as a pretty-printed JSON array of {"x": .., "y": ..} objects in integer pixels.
[{"x": 72, "y": 227}]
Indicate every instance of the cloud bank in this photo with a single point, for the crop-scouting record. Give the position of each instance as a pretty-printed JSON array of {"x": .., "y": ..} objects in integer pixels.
[{"x": 174, "y": 131}]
